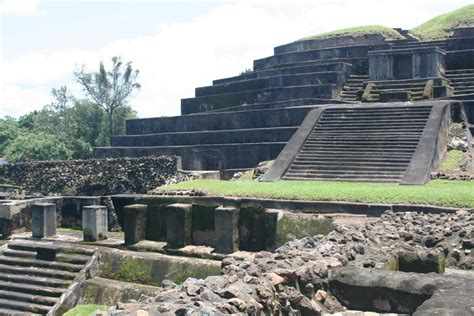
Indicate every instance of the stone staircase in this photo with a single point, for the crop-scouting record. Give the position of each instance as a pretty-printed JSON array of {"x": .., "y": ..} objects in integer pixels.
[
  {"x": 32, "y": 286},
  {"x": 353, "y": 85},
  {"x": 414, "y": 87},
  {"x": 370, "y": 144},
  {"x": 462, "y": 81},
  {"x": 415, "y": 44}
]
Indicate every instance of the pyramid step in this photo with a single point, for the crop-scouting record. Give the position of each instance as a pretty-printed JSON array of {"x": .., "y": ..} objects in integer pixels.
[
  {"x": 31, "y": 289},
  {"x": 28, "y": 279},
  {"x": 39, "y": 272},
  {"x": 362, "y": 129},
  {"x": 10, "y": 312},
  {"x": 336, "y": 159},
  {"x": 456, "y": 71},
  {"x": 353, "y": 155},
  {"x": 25, "y": 307},
  {"x": 336, "y": 151},
  {"x": 60, "y": 257},
  {"x": 335, "y": 168},
  {"x": 32, "y": 246},
  {"x": 381, "y": 120},
  {"x": 348, "y": 173},
  {"x": 359, "y": 143},
  {"x": 22, "y": 297},
  {"x": 382, "y": 133},
  {"x": 355, "y": 178},
  {"x": 365, "y": 137},
  {"x": 40, "y": 264},
  {"x": 351, "y": 165}
]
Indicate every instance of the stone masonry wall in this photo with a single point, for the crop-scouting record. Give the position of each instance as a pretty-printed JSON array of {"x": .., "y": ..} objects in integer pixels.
[{"x": 91, "y": 177}]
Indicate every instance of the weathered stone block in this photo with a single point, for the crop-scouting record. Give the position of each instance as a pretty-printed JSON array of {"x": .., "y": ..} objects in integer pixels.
[
  {"x": 252, "y": 228},
  {"x": 394, "y": 96},
  {"x": 44, "y": 220},
  {"x": 156, "y": 223},
  {"x": 46, "y": 253},
  {"x": 135, "y": 216},
  {"x": 203, "y": 224},
  {"x": 227, "y": 229},
  {"x": 179, "y": 225},
  {"x": 94, "y": 222},
  {"x": 421, "y": 261}
]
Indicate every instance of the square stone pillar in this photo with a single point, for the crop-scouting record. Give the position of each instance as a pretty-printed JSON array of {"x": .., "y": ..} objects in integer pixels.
[
  {"x": 179, "y": 225},
  {"x": 271, "y": 223},
  {"x": 227, "y": 229},
  {"x": 94, "y": 222},
  {"x": 43, "y": 220},
  {"x": 134, "y": 224}
]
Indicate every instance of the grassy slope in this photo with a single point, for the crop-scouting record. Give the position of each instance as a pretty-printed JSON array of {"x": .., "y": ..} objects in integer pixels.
[
  {"x": 438, "y": 192},
  {"x": 85, "y": 310},
  {"x": 452, "y": 162},
  {"x": 440, "y": 26},
  {"x": 387, "y": 32}
]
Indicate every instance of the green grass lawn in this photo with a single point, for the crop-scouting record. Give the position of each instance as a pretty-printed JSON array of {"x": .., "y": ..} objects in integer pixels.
[
  {"x": 437, "y": 192},
  {"x": 440, "y": 26},
  {"x": 387, "y": 32},
  {"x": 85, "y": 310}
]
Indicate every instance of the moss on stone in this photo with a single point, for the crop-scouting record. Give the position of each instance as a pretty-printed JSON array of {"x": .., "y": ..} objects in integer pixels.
[
  {"x": 291, "y": 227},
  {"x": 133, "y": 270},
  {"x": 392, "y": 265},
  {"x": 86, "y": 310},
  {"x": 147, "y": 271}
]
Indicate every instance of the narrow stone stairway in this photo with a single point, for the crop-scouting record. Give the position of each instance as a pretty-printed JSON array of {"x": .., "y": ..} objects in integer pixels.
[
  {"x": 29, "y": 285},
  {"x": 462, "y": 80},
  {"x": 370, "y": 144},
  {"x": 353, "y": 85}
]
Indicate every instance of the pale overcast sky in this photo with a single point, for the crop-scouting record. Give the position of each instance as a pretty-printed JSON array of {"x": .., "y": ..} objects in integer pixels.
[{"x": 176, "y": 45}]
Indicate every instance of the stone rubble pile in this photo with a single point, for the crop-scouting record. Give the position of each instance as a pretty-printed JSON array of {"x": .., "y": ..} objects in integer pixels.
[{"x": 294, "y": 279}]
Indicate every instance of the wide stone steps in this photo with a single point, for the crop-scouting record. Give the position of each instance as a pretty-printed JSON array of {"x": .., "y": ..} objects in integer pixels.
[
  {"x": 461, "y": 80},
  {"x": 459, "y": 71},
  {"x": 372, "y": 144},
  {"x": 273, "y": 134},
  {"x": 40, "y": 264},
  {"x": 32, "y": 286},
  {"x": 66, "y": 258},
  {"x": 232, "y": 99},
  {"x": 353, "y": 84},
  {"x": 18, "y": 306},
  {"x": 29, "y": 279},
  {"x": 379, "y": 178},
  {"x": 22, "y": 297}
]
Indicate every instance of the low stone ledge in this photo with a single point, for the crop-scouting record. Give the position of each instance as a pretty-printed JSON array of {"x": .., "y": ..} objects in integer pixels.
[{"x": 401, "y": 292}]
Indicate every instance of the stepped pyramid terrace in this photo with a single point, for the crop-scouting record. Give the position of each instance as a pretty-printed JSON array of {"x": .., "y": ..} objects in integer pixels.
[
  {"x": 357, "y": 107},
  {"x": 333, "y": 178}
]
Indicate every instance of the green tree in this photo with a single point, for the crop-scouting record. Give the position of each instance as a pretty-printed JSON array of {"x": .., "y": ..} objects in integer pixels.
[
  {"x": 37, "y": 146},
  {"x": 110, "y": 89},
  {"x": 63, "y": 101},
  {"x": 9, "y": 130}
]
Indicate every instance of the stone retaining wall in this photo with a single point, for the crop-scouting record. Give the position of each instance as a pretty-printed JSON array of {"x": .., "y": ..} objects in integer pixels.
[{"x": 91, "y": 177}]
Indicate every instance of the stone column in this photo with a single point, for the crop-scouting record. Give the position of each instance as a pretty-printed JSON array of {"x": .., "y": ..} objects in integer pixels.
[
  {"x": 179, "y": 225},
  {"x": 271, "y": 224},
  {"x": 134, "y": 224},
  {"x": 43, "y": 220},
  {"x": 94, "y": 222},
  {"x": 227, "y": 229}
]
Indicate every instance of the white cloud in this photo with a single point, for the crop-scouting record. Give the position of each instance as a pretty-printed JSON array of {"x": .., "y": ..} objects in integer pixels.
[
  {"x": 20, "y": 7},
  {"x": 185, "y": 55}
]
